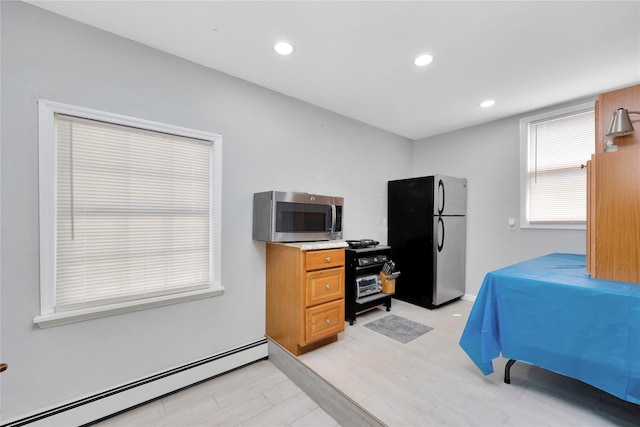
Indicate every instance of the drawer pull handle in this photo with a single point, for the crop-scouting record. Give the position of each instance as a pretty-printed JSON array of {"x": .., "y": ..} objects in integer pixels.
[
  {"x": 328, "y": 286},
  {"x": 328, "y": 321},
  {"x": 328, "y": 259}
]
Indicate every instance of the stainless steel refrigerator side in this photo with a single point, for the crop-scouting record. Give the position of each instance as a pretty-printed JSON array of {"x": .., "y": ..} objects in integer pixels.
[
  {"x": 449, "y": 258},
  {"x": 450, "y": 206},
  {"x": 450, "y": 194}
]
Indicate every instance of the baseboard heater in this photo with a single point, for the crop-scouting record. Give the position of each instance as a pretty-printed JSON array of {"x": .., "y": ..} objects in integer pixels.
[{"x": 117, "y": 399}]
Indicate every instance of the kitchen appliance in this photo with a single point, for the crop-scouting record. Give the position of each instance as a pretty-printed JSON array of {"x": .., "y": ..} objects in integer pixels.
[
  {"x": 427, "y": 231},
  {"x": 368, "y": 285},
  {"x": 364, "y": 260},
  {"x": 296, "y": 217},
  {"x": 362, "y": 243}
]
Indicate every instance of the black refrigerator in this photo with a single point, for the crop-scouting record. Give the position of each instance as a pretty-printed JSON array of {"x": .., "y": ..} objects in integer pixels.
[{"x": 426, "y": 221}]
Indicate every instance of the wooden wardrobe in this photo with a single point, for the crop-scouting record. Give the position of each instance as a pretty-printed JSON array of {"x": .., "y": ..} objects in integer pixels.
[{"x": 613, "y": 194}]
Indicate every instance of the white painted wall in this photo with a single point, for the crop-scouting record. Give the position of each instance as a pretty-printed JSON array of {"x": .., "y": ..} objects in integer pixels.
[
  {"x": 270, "y": 142},
  {"x": 488, "y": 156},
  {"x": 0, "y": 217}
]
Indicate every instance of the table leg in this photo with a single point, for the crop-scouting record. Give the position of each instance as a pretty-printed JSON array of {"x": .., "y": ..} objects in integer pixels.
[{"x": 507, "y": 376}]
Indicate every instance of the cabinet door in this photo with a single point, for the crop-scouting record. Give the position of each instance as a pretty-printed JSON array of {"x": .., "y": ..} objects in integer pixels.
[
  {"x": 324, "y": 320},
  {"x": 324, "y": 285},
  {"x": 617, "y": 216}
]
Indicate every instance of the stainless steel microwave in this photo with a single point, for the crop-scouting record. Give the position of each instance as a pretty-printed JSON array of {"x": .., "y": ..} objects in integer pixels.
[{"x": 296, "y": 217}]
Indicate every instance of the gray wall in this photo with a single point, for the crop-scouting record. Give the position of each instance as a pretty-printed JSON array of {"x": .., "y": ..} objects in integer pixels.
[
  {"x": 270, "y": 142},
  {"x": 489, "y": 157}
]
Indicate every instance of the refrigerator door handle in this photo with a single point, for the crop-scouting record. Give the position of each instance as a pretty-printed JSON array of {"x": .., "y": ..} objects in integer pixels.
[
  {"x": 440, "y": 197},
  {"x": 440, "y": 234}
]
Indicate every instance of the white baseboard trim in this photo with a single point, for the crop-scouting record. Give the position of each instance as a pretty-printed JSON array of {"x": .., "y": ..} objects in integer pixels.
[
  {"x": 469, "y": 297},
  {"x": 117, "y": 399}
]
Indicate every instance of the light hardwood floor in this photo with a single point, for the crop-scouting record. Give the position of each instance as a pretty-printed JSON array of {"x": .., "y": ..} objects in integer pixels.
[
  {"x": 429, "y": 381},
  {"x": 256, "y": 395}
]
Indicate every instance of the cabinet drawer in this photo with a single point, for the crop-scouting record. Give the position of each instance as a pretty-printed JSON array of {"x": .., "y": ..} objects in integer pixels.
[
  {"x": 324, "y": 258},
  {"x": 324, "y": 320},
  {"x": 324, "y": 285}
]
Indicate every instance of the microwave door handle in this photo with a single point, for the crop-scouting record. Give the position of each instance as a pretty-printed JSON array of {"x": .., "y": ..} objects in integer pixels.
[{"x": 333, "y": 218}]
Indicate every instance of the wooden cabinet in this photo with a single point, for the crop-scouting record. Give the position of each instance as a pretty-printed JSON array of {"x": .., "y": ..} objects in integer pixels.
[
  {"x": 606, "y": 105},
  {"x": 613, "y": 226},
  {"x": 590, "y": 216},
  {"x": 613, "y": 194},
  {"x": 305, "y": 296}
]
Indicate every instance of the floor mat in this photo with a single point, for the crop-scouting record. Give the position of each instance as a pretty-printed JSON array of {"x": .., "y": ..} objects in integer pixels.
[{"x": 398, "y": 328}]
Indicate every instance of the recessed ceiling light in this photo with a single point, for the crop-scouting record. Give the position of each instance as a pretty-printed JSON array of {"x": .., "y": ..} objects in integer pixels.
[
  {"x": 423, "y": 60},
  {"x": 283, "y": 48},
  {"x": 487, "y": 103}
]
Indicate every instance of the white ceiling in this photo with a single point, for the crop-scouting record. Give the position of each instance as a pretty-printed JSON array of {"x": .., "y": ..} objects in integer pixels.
[{"x": 356, "y": 57}]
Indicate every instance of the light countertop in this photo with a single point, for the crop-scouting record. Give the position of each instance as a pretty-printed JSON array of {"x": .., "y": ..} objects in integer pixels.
[{"x": 324, "y": 244}]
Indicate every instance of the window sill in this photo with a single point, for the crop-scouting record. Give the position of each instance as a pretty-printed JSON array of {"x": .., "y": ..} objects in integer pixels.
[
  {"x": 552, "y": 226},
  {"x": 72, "y": 316}
]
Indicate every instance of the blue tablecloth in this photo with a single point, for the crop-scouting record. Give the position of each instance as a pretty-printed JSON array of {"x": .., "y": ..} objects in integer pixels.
[{"x": 548, "y": 312}]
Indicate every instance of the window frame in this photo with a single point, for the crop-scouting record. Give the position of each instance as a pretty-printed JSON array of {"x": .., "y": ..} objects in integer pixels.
[
  {"x": 47, "y": 215},
  {"x": 524, "y": 172}
]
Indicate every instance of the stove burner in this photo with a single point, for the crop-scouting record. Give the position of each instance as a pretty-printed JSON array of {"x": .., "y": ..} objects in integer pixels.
[{"x": 363, "y": 243}]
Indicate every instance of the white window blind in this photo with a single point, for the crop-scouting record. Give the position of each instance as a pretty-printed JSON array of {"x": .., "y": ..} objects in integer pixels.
[
  {"x": 556, "y": 182},
  {"x": 133, "y": 213}
]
